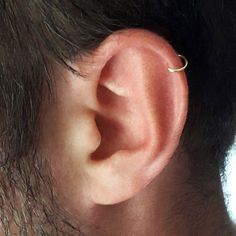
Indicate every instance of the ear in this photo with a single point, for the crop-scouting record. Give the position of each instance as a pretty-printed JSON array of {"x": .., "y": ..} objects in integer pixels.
[{"x": 125, "y": 118}]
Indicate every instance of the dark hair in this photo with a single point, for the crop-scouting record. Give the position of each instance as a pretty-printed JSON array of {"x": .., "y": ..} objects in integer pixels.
[{"x": 36, "y": 34}]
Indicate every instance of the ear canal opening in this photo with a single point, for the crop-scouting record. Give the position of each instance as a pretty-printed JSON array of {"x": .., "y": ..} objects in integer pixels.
[
  {"x": 115, "y": 137},
  {"x": 109, "y": 131},
  {"x": 108, "y": 124}
]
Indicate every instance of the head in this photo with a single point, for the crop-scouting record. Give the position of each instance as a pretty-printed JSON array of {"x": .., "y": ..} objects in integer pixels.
[{"x": 81, "y": 80}]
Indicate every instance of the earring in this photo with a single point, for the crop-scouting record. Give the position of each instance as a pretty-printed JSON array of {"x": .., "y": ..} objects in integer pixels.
[{"x": 172, "y": 70}]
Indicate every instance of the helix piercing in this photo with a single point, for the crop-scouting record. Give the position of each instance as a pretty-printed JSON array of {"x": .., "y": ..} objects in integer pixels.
[{"x": 172, "y": 70}]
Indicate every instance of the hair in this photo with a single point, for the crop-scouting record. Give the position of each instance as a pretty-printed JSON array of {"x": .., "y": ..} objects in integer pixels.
[{"x": 34, "y": 35}]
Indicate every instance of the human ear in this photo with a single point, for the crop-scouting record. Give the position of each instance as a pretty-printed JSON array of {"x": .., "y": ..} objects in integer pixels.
[{"x": 122, "y": 123}]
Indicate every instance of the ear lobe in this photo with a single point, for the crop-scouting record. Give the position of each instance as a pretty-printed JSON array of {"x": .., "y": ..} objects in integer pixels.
[{"x": 141, "y": 111}]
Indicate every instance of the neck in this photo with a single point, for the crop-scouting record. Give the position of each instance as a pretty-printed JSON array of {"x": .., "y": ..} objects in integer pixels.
[{"x": 170, "y": 205}]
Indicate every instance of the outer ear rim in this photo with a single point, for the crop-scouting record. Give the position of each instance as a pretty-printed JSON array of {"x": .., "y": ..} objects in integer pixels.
[{"x": 101, "y": 55}]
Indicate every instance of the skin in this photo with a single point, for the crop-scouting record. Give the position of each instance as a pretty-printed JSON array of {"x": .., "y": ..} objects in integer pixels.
[{"x": 112, "y": 140}]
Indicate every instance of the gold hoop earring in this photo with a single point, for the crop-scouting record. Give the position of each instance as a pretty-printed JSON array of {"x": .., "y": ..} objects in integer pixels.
[{"x": 172, "y": 70}]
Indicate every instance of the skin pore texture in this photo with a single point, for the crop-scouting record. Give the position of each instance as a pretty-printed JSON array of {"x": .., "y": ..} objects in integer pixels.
[{"x": 112, "y": 139}]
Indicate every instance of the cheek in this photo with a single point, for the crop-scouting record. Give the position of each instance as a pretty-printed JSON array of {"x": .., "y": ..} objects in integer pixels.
[
  {"x": 68, "y": 182},
  {"x": 55, "y": 147},
  {"x": 66, "y": 170}
]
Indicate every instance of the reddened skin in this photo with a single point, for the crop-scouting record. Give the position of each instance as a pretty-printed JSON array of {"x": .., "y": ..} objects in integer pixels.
[{"x": 117, "y": 128}]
